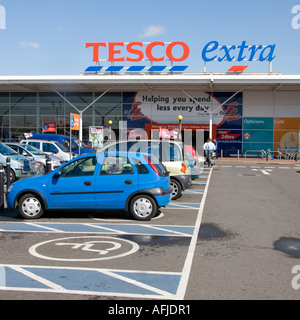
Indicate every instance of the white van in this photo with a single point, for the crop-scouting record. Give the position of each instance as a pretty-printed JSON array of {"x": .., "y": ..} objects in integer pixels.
[{"x": 51, "y": 147}]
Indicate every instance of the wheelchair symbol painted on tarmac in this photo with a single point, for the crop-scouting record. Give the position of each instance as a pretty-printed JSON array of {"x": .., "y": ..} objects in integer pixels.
[{"x": 89, "y": 248}]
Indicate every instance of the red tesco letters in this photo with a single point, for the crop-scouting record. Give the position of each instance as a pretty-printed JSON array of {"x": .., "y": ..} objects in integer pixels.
[{"x": 135, "y": 49}]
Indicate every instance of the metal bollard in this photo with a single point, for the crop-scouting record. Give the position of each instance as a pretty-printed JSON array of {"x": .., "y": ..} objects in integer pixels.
[
  {"x": 8, "y": 182},
  {"x": 1, "y": 187},
  {"x": 48, "y": 164}
]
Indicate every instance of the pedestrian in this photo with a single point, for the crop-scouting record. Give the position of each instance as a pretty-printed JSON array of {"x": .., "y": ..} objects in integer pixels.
[
  {"x": 216, "y": 148},
  {"x": 209, "y": 147}
]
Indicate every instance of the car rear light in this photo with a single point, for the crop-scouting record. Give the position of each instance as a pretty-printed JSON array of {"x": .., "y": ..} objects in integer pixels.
[
  {"x": 153, "y": 166},
  {"x": 183, "y": 168}
]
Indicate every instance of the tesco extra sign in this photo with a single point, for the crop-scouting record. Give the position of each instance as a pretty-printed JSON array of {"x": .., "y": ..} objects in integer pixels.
[
  {"x": 212, "y": 51},
  {"x": 134, "y": 49}
]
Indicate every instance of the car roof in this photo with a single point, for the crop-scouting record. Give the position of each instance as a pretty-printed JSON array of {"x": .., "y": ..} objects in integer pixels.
[
  {"x": 49, "y": 135},
  {"x": 40, "y": 140},
  {"x": 113, "y": 153}
]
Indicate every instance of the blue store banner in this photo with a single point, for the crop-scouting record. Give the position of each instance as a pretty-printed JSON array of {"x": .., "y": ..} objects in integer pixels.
[
  {"x": 132, "y": 113},
  {"x": 155, "y": 107},
  {"x": 229, "y": 130},
  {"x": 232, "y": 111}
]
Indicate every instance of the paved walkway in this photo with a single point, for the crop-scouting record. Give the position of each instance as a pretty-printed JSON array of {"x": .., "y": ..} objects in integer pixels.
[{"x": 256, "y": 160}]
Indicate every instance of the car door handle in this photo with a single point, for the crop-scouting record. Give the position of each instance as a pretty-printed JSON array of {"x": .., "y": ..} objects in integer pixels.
[
  {"x": 128, "y": 181},
  {"x": 88, "y": 183}
]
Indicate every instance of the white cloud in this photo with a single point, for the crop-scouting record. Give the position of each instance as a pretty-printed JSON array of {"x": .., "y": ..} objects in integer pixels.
[
  {"x": 153, "y": 31},
  {"x": 28, "y": 44}
]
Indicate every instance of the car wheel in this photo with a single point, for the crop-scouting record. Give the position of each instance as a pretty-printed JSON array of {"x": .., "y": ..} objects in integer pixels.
[
  {"x": 176, "y": 189},
  {"x": 12, "y": 176},
  {"x": 30, "y": 206},
  {"x": 143, "y": 208}
]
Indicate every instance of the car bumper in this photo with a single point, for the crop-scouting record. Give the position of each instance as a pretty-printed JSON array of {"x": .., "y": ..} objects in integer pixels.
[
  {"x": 164, "y": 197},
  {"x": 163, "y": 201},
  {"x": 10, "y": 200},
  {"x": 185, "y": 180}
]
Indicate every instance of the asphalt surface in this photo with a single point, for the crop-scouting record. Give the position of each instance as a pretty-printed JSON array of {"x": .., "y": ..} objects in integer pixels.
[
  {"x": 233, "y": 235},
  {"x": 251, "y": 210}
]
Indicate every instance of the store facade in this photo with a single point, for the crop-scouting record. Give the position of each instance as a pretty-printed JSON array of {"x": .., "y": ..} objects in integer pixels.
[{"x": 242, "y": 111}]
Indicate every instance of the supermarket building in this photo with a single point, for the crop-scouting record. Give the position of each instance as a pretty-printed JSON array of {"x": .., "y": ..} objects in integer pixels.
[{"x": 243, "y": 111}]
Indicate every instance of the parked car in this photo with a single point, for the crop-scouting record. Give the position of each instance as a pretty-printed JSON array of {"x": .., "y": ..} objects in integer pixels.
[
  {"x": 138, "y": 184},
  {"x": 35, "y": 154},
  {"x": 20, "y": 166},
  {"x": 51, "y": 147},
  {"x": 170, "y": 153},
  {"x": 196, "y": 161},
  {"x": 65, "y": 141}
]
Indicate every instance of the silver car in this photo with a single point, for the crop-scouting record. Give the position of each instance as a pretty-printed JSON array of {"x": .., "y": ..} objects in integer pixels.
[
  {"x": 20, "y": 166},
  {"x": 35, "y": 154}
]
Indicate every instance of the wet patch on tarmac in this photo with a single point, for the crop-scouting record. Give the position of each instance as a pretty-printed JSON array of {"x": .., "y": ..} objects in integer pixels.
[
  {"x": 290, "y": 246},
  {"x": 158, "y": 241},
  {"x": 210, "y": 231}
]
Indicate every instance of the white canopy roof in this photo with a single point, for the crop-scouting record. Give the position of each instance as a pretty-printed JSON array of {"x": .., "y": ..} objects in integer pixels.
[{"x": 135, "y": 82}]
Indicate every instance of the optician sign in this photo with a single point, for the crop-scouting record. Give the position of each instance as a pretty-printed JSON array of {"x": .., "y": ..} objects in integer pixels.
[{"x": 176, "y": 51}]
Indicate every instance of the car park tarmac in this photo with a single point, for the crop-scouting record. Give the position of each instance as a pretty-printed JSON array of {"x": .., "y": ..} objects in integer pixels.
[{"x": 218, "y": 241}]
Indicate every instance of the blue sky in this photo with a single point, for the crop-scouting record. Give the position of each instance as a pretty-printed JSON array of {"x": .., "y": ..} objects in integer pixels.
[{"x": 48, "y": 37}]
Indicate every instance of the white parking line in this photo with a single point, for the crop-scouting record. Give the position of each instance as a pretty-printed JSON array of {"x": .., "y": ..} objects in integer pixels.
[{"x": 189, "y": 259}]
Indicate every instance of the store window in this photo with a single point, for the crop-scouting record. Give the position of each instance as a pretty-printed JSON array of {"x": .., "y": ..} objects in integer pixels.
[
  {"x": 22, "y": 113},
  {"x": 4, "y": 116}
]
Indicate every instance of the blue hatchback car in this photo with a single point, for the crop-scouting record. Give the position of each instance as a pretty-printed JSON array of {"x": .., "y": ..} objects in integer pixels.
[{"x": 138, "y": 183}]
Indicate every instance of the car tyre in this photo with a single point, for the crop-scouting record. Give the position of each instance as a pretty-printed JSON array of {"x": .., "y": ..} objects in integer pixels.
[
  {"x": 143, "y": 208},
  {"x": 176, "y": 189},
  {"x": 12, "y": 176},
  {"x": 30, "y": 206}
]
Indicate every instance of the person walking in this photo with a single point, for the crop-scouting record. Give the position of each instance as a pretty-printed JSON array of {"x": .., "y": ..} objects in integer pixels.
[
  {"x": 216, "y": 148},
  {"x": 209, "y": 147}
]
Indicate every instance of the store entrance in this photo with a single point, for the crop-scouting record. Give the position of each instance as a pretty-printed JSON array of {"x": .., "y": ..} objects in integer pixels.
[
  {"x": 191, "y": 134},
  {"x": 196, "y": 138}
]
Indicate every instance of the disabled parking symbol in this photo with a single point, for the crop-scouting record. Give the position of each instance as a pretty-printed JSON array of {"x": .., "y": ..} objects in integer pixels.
[{"x": 88, "y": 248}]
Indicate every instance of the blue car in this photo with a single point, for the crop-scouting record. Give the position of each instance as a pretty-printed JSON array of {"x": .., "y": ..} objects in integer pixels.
[{"x": 137, "y": 183}]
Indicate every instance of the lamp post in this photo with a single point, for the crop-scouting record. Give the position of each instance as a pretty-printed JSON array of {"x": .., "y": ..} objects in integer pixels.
[
  {"x": 179, "y": 119},
  {"x": 109, "y": 123}
]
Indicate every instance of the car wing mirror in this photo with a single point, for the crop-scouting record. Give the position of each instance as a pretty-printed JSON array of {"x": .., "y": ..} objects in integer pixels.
[{"x": 56, "y": 175}]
